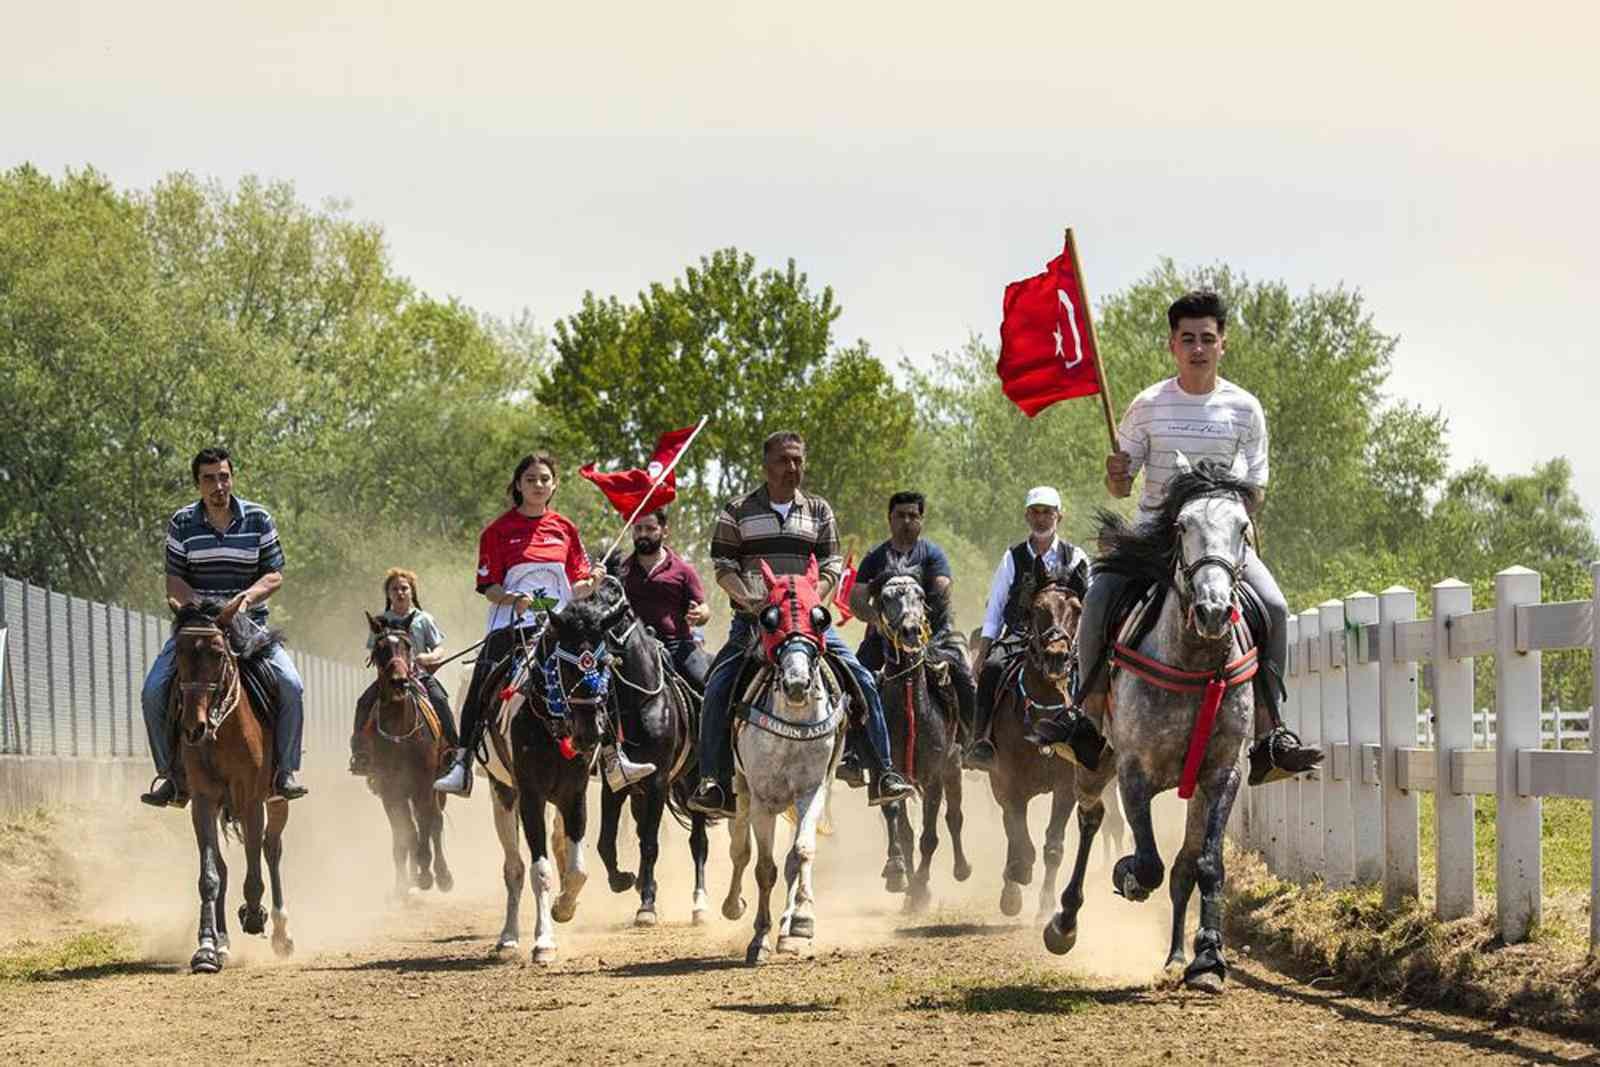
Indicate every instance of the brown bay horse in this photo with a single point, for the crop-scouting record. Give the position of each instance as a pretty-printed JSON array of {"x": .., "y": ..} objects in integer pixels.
[
  {"x": 226, "y": 753},
  {"x": 1033, "y": 687},
  {"x": 408, "y": 754}
]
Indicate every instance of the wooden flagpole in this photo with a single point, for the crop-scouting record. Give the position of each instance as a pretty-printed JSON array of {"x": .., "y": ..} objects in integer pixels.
[
  {"x": 617, "y": 540},
  {"x": 1099, "y": 361}
]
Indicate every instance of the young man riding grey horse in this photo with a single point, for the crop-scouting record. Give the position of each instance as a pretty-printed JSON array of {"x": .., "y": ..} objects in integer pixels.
[
  {"x": 1193, "y": 416},
  {"x": 222, "y": 546},
  {"x": 785, "y": 528},
  {"x": 907, "y": 549},
  {"x": 1004, "y": 618}
]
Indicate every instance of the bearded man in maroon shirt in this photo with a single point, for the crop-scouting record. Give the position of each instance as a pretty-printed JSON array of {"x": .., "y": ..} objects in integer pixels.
[{"x": 666, "y": 594}]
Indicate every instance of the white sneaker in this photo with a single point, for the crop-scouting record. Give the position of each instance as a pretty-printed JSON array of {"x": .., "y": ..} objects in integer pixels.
[
  {"x": 621, "y": 772},
  {"x": 458, "y": 779}
]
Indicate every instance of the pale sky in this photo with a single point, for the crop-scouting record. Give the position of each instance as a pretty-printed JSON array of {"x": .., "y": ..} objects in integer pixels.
[{"x": 1441, "y": 157}]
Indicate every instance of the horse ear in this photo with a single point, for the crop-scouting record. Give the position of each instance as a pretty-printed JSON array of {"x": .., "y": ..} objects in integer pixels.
[
  {"x": 1181, "y": 461},
  {"x": 768, "y": 576},
  {"x": 173, "y": 605},
  {"x": 225, "y": 616},
  {"x": 811, "y": 569},
  {"x": 374, "y": 624}
]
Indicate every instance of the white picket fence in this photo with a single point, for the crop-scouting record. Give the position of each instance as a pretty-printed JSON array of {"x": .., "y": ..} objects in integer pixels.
[
  {"x": 1557, "y": 728},
  {"x": 1352, "y": 684}
]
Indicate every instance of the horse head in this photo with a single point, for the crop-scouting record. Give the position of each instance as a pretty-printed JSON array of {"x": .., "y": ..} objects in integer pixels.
[
  {"x": 1053, "y": 615},
  {"x": 392, "y": 653},
  {"x": 207, "y": 673},
  {"x": 1210, "y": 507},
  {"x": 902, "y": 609},
  {"x": 577, "y": 671},
  {"x": 793, "y": 622}
]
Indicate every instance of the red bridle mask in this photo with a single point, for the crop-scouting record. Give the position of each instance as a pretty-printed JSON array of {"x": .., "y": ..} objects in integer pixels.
[{"x": 794, "y": 608}]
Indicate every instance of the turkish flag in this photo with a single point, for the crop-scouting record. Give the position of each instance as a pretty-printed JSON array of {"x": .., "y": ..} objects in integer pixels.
[
  {"x": 627, "y": 489},
  {"x": 841, "y": 595},
  {"x": 1046, "y": 345}
]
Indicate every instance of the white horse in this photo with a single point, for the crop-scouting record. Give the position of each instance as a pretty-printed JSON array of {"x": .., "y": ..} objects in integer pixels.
[{"x": 786, "y": 750}]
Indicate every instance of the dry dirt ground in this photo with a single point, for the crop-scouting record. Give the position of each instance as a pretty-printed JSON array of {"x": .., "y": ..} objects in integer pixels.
[{"x": 418, "y": 982}]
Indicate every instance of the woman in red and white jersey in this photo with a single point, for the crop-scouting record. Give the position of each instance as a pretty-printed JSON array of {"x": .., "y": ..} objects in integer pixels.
[{"x": 530, "y": 561}]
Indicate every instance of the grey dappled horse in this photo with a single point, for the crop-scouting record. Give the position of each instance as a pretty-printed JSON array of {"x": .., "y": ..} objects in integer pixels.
[{"x": 1195, "y": 547}]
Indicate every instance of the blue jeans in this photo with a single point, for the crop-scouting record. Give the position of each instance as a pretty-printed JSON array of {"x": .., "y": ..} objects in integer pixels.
[
  {"x": 716, "y": 754},
  {"x": 286, "y": 735}
]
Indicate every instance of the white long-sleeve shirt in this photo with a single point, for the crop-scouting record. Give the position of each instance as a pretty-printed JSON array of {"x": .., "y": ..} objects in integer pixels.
[{"x": 994, "y": 616}]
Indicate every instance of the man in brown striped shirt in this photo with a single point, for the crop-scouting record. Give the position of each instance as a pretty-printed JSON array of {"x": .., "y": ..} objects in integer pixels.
[{"x": 785, "y": 527}]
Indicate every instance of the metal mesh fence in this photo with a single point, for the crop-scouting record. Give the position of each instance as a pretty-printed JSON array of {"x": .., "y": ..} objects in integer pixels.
[{"x": 71, "y": 671}]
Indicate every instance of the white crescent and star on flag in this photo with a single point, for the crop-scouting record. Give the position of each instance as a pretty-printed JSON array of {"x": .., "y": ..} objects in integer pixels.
[{"x": 1072, "y": 324}]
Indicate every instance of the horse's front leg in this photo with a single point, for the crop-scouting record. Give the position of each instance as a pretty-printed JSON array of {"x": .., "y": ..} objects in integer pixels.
[
  {"x": 610, "y": 819},
  {"x": 647, "y": 811},
  {"x": 1137, "y": 876},
  {"x": 402, "y": 842},
  {"x": 1209, "y": 968},
  {"x": 764, "y": 825},
  {"x": 798, "y": 926},
  {"x": 1055, "y": 845},
  {"x": 699, "y": 849},
  {"x": 252, "y": 916},
  {"x": 570, "y": 843},
  {"x": 739, "y": 853},
  {"x": 515, "y": 871},
  {"x": 531, "y": 806},
  {"x": 1061, "y": 932},
  {"x": 920, "y": 895},
  {"x": 430, "y": 808},
  {"x": 206, "y": 959},
  {"x": 954, "y": 819},
  {"x": 1185, "y": 869},
  {"x": 420, "y": 812},
  {"x": 272, "y": 846},
  {"x": 1020, "y": 854}
]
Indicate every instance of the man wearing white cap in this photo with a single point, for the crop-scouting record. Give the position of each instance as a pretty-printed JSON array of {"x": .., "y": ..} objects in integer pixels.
[{"x": 1009, "y": 594}]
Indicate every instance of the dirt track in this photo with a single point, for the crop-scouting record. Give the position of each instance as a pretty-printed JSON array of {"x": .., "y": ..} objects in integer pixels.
[{"x": 418, "y": 983}]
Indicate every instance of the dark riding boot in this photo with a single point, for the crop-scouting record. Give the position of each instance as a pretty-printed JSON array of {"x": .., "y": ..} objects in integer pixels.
[
  {"x": 1076, "y": 735},
  {"x": 165, "y": 793},
  {"x": 287, "y": 785},
  {"x": 852, "y": 770},
  {"x": 1277, "y": 754},
  {"x": 980, "y": 755},
  {"x": 711, "y": 798},
  {"x": 888, "y": 786}
]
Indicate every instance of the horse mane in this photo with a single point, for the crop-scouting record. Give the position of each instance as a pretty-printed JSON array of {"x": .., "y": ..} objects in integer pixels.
[
  {"x": 256, "y": 642},
  {"x": 590, "y": 613},
  {"x": 895, "y": 568},
  {"x": 1147, "y": 552}
]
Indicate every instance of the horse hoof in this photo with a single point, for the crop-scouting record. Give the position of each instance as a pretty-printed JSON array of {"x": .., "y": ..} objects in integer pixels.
[
  {"x": 644, "y": 917},
  {"x": 698, "y": 918},
  {"x": 563, "y": 911},
  {"x": 544, "y": 955},
  {"x": 1204, "y": 982},
  {"x": 224, "y": 949},
  {"x": 252, "y": 920},
  {"x": 1125, "y": 883},
  {"x": 790, "y": 945},
  {"x": 1011, "y": 900},
  {"x": 205, "y": 961},
  {"x": 757, "y": 953},
  {"x": 621, "y": 882},
  {"x": 963, "y": 870},
  {"x": 1057, "y": 940},
  {"x": 283, "y": 947},
  {"x": 917, "y": 901},
  {"x": 895, "y": 882},
  {"x": 445, "y": 881},
  {"x": 733, "y": 909},
  {"x": 505, "y": 944},
  {"x": 424, "y": 880}
]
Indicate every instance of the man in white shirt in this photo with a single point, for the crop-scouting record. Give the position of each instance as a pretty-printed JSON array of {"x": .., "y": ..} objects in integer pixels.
[
  {"x": 1006, "y": 614},
  {"x": 1190, "y": 418}
]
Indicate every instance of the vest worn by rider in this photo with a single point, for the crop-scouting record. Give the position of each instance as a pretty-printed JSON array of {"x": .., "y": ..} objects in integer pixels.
[{"x": 1020, "y": 595}]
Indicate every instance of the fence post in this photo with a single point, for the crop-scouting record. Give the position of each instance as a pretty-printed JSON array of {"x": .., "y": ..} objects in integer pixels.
[
  {"x": 1454, "y": 699},
  {"x": 1594, "y": 756},
  {"x": 1286, "y": 815},
  {"x": 27, "y": 670},
  {"x": 1397, "y": 709},
  {"x": 1366, "y": 794},
  {"x": 1311, "y": 785},
  {"x": 1517, "y": 823},
  {"x": 1338, "y": 822}
]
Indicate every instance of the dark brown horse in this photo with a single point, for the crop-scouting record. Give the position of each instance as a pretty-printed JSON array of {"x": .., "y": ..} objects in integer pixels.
[
  {"x": 227, "y": 758},
  {"x": 408, "y": 755},
  {"x": 923, "y": 734},
  {"x": 1036, "y": 686}
]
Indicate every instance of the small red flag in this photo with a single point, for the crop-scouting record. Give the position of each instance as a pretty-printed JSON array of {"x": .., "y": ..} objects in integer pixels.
[
  {"x": 841, "y": 595},
  {"x": 627, "y": 489},
  {"x": 1046, "y": 346}
]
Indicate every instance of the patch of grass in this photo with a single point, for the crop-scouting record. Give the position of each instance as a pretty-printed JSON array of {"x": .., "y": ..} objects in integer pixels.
[
  {"x": 1031, "y": 992},
  {"x": 23, "y": 834},
  {"x": 32, "y": 961},
  {"x": 1565, "y": 842},
  {"x": 1409, "y": 954}
]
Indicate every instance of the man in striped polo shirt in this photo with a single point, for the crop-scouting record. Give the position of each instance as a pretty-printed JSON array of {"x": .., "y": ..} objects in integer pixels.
[
  {"x": 786, "y": 528},
  {"x": 1191, "y": 417},
  {"x": 223, "y": 546}
]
